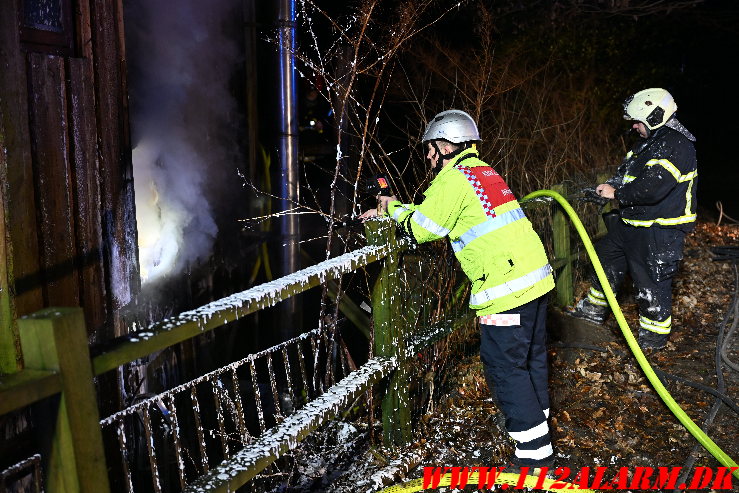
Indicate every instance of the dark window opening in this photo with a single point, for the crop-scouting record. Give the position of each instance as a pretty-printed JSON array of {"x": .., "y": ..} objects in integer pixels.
[{"x": 47, "y": 26}]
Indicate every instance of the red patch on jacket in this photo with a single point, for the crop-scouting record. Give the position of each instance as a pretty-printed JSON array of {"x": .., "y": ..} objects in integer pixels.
[{"x": 489, "y": 186}]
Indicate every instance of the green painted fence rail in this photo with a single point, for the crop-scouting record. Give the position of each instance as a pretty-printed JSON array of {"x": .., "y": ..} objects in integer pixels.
[
  {"x": 215, "y": 314},
  {"x": 25, "y": 387}
]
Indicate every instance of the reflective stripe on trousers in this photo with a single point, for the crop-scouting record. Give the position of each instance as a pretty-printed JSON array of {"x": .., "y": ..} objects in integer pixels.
[
  {"x": 659, "y": 327},
  {"x": 597, "y": 297}
]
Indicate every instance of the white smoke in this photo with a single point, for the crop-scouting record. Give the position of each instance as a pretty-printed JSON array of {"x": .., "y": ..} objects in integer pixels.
[{"x": 181, "y": 62}]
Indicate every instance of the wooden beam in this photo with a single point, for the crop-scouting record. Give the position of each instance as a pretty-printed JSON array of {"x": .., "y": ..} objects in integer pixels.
[
  {"x": 116, "y": 166},
  {"x": 86, "y": 191},
  {"x": 389, "y": 334},
  {"x": 53, "y": 179},
  {"x": 21, "y": 196},
  {"x": 25, "y": 387},
  {"x": 55, "y": 339},
  {"x": 10, "y": 354},
  {"x": 602, "y": 229}
]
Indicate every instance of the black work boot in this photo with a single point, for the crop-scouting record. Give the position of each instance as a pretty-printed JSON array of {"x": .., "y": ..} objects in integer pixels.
[
  {"x": 590, "y": 312},
  {"x": 516, "y": 466},
  {"x": 652, "y": 340}
]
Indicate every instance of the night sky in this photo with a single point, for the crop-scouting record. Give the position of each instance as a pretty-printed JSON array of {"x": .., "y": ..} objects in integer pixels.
[{"x": 692, "y": 52}]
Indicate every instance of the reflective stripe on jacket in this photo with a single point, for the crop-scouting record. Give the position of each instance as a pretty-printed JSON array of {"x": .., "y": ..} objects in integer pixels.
[
  {"x": 656, "y": 183},
  {"x": 496, "y": 246}
]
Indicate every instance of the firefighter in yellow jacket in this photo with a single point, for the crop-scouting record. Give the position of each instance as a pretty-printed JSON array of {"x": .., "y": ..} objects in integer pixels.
[{"x": 502, "y": 255}]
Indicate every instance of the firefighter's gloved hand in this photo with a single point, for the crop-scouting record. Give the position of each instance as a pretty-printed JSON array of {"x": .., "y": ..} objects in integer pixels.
[{"x": 590, "y": 195}]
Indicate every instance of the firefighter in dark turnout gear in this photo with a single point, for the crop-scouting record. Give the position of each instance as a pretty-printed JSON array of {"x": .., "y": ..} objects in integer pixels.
[
  {"x": 656, "y": 189},
  {"x": 502, "y": 255}
]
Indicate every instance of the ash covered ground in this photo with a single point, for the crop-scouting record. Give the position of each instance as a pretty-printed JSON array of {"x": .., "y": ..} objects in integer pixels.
[{"x": 604, "y": 410}]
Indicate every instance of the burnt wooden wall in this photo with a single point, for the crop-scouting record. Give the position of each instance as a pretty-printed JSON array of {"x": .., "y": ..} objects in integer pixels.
[{"x": 68, "y": 228}]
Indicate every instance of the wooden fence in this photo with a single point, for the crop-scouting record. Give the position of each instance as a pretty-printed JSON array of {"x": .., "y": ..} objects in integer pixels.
[{"x": 58, "y": 364}]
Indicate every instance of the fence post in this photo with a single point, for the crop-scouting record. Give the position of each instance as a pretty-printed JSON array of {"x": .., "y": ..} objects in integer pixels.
[
  {"x": 56, "y": 339},
  {"x": 389, "y": 334},
  {"x": 602, "y": 230},
  {"x": 561, "y": 244}
]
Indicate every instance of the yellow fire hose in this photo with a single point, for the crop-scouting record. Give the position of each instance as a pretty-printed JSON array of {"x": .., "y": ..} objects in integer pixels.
[{"x": 703, "y": 439}]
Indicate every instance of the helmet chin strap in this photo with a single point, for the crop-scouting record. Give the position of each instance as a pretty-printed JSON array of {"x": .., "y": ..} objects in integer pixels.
[
  {"x": 445, "y": 157},
  {"x": 438, "y": 156}
]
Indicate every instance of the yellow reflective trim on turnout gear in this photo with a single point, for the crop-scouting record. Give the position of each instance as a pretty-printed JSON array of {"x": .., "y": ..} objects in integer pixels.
[
  {"x": 688, "y": 177},
  {"x": 597, "y": 297},
  {"x": 671, "y": 221},
  {"x": 666, "y": 164},
  {"x": 689, "y": 194},
  {"x": 688, "y": 218},
  {"x": 656, "y": 326}
]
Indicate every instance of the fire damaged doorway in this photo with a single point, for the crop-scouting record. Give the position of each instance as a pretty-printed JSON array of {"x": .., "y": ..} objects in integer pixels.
[{"x": 191, "y": 143}]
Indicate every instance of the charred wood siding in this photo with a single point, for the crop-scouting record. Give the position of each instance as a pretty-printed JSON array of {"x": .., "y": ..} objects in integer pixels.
[
  {"x": 22, "y": 256},
  {"x": 9, "y": 337},
  {"x": 70, "y": 231},
  {"x": 83, "y": 135},
  {"x": 53, "y": 180},
  {"x": 118, "y": 206}
]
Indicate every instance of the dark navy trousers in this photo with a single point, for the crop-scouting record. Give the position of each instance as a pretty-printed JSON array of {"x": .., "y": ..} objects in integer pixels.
[
  {"x": 652, "y": 257},
  {"x": 514, "y": 358}
]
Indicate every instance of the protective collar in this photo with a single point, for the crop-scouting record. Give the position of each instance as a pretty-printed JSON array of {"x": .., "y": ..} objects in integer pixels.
[{"x": 674, "y": 124}]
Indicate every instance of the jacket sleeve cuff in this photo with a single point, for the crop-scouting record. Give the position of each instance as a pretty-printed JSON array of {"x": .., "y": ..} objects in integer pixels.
[{"x": 397, "y": 210}]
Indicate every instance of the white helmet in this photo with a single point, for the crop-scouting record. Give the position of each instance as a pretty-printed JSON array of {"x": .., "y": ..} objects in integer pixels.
[
  {"x": 456, "y": 126},
  {"x": 653, "y": 107}
]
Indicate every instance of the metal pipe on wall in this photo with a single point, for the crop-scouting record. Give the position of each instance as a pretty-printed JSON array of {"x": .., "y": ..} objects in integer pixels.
[
  {"x": 288, "y": 155},
  {"x": 250, "y": 66}
]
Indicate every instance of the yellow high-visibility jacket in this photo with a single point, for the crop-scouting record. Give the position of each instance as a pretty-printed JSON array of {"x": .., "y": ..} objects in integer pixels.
[{"x": 493, "y": 240}]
